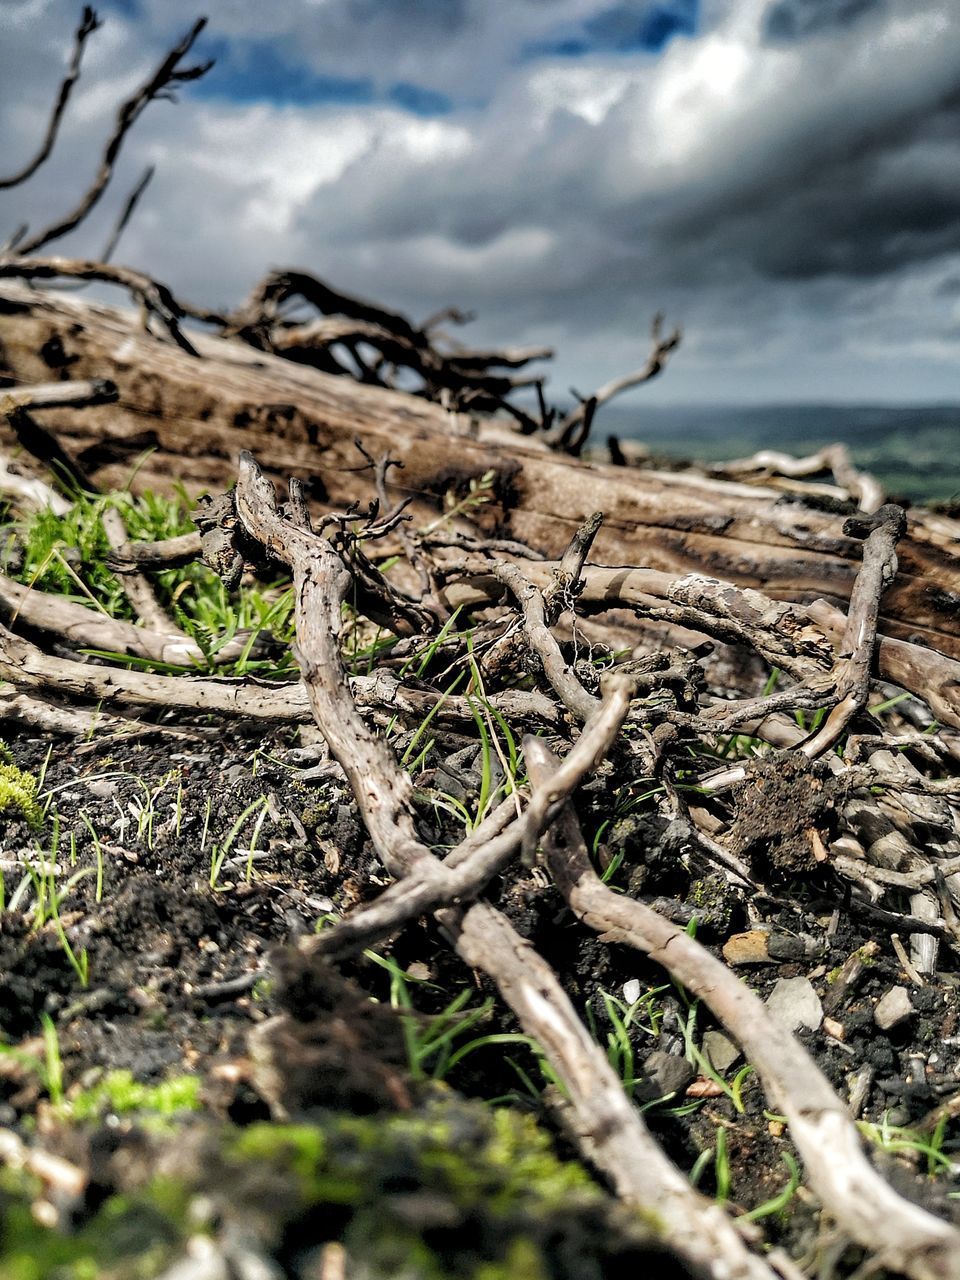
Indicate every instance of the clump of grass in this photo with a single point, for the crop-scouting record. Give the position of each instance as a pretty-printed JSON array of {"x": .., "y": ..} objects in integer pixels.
[{"x": 67, "y": 555}]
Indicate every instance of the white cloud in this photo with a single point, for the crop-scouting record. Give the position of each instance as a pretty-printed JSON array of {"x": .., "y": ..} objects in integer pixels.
[{"x": 790, "y": 202}]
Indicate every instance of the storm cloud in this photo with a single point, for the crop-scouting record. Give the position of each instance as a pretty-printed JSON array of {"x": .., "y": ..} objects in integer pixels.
[{"x": 780, "y": 177}]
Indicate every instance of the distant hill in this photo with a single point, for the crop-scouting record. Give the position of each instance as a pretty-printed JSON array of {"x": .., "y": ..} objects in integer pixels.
[{"x": 914, "y": 451}]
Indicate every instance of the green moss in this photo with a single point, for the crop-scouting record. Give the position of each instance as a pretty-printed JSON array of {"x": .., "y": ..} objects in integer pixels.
[
  {"x": 132, "y": 1237},
  {"x": 713, "y": 903},
  {"x": 454, "y": 1190},
  {"x": 18, "y": 793},
  {"x": 522, "y": 1259},
  {"x": 119, "y": 1094}
]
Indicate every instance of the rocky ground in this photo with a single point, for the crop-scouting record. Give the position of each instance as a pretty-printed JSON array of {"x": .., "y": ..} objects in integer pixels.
[{"x": 149, "y": 931}]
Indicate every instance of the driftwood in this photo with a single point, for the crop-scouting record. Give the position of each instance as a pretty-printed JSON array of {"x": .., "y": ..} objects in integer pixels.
[{"x": 192, "y": 417}]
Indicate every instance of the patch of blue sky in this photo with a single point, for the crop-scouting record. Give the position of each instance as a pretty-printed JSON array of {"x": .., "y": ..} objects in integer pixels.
[
  {"x": 645, "y": 27},
  {"x": 418, "y": 100},
  {"x": 261, "y": 71},
  {"x": 129, "y": 8}
]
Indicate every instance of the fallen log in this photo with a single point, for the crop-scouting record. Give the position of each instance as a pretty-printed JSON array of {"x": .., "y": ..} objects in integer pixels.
[{"x": 192, "y": 415}]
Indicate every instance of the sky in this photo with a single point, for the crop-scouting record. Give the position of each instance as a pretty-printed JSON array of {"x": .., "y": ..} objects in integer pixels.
[{"x": 779, "y": 177}]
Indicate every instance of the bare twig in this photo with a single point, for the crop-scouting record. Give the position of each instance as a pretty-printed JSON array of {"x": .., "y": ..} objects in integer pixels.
[
  {"x": 883, "y": 531},
  {"x": 167, "y": 77},
  {"x": 561, "y": 676},
  {"x": 89, "y": 23},
  {"x": 609, "y": 1128},
  {"x": 567, "y": 429},
  {"x": 617, "y": 1137},
  {"x": 156, "y": 297}
]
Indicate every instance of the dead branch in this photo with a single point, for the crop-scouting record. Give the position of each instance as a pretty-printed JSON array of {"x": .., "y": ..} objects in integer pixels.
[
  {"x": 882, "y": 531},
  {"x": 57, "y": 395},
  {"x": 617, "y": 1137},
  {"x": 29, "y": 490},
  {"x": 89, "y": 23},
  {"x": 572, "y": 431},
  {"x": 28, "y": 667},
  {"x": 859, "y": 485},
  {"x": 156, "y": 298},
  {"x": 137, "y": 587},
  {"x": 468, "y": 868},
  {"x": 306, "y": 423},
  {"x": 168, "y": 76},
  {"x": 171, "y": 553},
  {"x": 610, "y": 1130}
]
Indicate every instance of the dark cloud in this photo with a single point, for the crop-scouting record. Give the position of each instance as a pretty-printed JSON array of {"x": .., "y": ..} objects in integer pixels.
[
  {"x": 259, "y": 70},
  {"x": 788, "y": 20},
  {"x": 795, "y": 204},
  {"x": 861, "y": 202}
]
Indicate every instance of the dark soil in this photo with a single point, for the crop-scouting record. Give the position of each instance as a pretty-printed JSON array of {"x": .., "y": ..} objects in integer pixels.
[{"x": 185, "y": 979}]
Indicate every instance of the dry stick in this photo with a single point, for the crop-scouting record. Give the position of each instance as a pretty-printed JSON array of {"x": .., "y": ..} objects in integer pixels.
[
  {"x": 72, "y": 721},
  {"x": 619, "y": 1141},
  {"x": 903, "y": 1236},
  {"x": 930, "y": 676},
  {"x": 566, "y": 584},
  {"x": 31, "y": 491},
  {"x": 89, "y": 23},
  {"x": 139, "y": 589},
  {"x": 84, "y": 627},
  {"x": 418, "y": 561},
  {"x": 660, "y": 351},
  {"x": 321, "y": 582},
  {"x": 57, "y": 395},
  {"x": 304, "y": 341},
  {"x": 469, "y": 867},
  {"x": 859, "y": 484},
  {"x": 883, "y": 531},
  {"x": 783, "y": 634},
  {"x": 557, "y": 670},
  {"x": 37, "y": 440},
  {"x": 609, "y": 1127},
  {"x": 168, "y": 553},
  {"x": 155, "y": 297},
  {"x": 26, "y": 666},
  {"x": 127, "y": 212},
  {"x": 392, "y": 334},
  {"x": 160, "y": 85},
  {"x": 801, "y": 651}
]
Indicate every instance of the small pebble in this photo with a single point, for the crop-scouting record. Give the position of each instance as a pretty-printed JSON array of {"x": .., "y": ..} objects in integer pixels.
[
  {"x": 747, "y": 948},
  {"x": 893, "y": 1007},
  {"x": 720, "y": 1051},
  {"x": 665, "y": 1074},
  {"x": 631, "y": 990},
  {"x": 794, "y": 1003}
]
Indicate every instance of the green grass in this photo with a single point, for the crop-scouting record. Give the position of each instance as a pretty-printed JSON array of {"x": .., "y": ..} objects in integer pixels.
[{"x": 66, "y": 555}]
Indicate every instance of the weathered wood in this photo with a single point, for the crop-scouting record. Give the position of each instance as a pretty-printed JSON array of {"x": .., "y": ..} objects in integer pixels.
[{"x": 197, "y": 414}]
